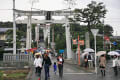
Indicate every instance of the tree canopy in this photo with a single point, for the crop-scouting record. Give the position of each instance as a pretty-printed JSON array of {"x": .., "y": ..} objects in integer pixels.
[{"x": 91, "y": 15}]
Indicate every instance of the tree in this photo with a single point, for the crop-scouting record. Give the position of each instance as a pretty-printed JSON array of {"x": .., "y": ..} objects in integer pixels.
[{"x": 91, "y": 15}]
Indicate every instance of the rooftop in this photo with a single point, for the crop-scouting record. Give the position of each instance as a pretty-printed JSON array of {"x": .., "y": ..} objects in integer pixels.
[{"x": 2, "y": 30}]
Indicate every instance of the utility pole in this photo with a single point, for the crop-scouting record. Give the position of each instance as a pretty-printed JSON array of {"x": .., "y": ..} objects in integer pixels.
[
  {"x": 103, "y": 37},
  {"x": 14, "y": 29},
  {"x": 78, "y": 51}
]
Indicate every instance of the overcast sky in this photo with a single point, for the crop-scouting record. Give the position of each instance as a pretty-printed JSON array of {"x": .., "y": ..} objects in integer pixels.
[{"x": 112, "y": 17}]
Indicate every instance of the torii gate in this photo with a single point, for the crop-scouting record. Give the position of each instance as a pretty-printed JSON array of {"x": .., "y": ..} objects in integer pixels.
[{"x": 29, "y": 14}]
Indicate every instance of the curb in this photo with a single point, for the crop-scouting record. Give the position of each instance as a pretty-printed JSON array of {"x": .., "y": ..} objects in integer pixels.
[{"x": 29, "y": 74}]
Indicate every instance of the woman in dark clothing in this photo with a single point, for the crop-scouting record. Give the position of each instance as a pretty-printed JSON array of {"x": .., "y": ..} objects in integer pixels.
[
  {"x": 47, "y": 63},
  {"x": 86, "y": 61},
  {"x": 60, "y": 62}
]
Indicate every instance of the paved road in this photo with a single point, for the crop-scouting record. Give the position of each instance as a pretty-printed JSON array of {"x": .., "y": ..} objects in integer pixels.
[{"x": 73, "y": 72}]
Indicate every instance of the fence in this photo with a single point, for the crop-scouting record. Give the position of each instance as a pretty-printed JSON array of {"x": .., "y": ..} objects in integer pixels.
[{"x": 17, "y": 58}]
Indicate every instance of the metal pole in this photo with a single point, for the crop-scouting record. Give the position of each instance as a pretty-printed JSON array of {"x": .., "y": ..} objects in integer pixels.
[
  {"x": 78, "y": 51},
  {"x": 103, "y": 37},
  {"x": 14, "y": 29},
  {"x": 110, "y": 46},
  {"x": 95, "y": 56}
]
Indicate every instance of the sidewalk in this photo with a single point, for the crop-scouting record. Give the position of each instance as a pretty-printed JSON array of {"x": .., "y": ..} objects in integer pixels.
[
  {"x": 69, "y": 68},
  {"x": 74, "y": 72},
  {"x": 87, "y": 70}
]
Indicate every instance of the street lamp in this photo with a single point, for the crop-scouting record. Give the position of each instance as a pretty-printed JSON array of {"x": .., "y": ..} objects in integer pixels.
[{"x": 94, "y": 32}]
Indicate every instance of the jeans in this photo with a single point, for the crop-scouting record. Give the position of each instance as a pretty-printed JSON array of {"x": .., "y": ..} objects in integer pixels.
[
  {"x": 46, "y": 67},
  {"x": 115, "y": 70},
  {"x": 38, "y": 71},
  {"x": 60, "y": 67}
]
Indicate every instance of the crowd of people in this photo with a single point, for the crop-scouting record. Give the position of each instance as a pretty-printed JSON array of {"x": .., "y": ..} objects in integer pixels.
[
  {"x": 89, "y": 63},
  {"x": 115, "y": 64},
  {"x": 44, "y": 61}
]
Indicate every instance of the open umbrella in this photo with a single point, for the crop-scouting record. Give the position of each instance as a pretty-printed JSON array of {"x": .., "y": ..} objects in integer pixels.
[
  {"x": 38, "y": 54},
  {"x": 85, "y": 53},
  {"x": 99, "y": 53},
  {"x": 88, "y": 50},
  {"x": 113, "y": 53},
  {"x": 118, "y": 51}
]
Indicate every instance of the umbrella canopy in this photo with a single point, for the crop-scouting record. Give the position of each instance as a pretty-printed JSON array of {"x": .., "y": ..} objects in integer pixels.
[
  {"x": 38, "y": 54},
  {"x": 118, "y": 51},
  {"x": 99, "y": 53},
  {"x": 31, "y": 50},
  {"x": 113, "y": 53},
  {"x": 88, "y": 50},
  {"x": 85, "y": 53}
]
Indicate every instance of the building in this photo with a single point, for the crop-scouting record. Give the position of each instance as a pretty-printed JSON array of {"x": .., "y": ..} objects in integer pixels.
[{"x": 3, "y": 36}]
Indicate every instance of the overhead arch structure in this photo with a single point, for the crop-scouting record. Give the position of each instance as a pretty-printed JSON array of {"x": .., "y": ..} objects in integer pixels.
[{"x": 46, "y": 29}]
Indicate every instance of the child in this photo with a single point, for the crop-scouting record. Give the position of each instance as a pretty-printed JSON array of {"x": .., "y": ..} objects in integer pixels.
[{"x": 55, "y": 67}]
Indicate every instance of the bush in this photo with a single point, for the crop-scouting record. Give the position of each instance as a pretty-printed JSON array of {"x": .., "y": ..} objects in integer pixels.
[{"x": 1, "y": 75}]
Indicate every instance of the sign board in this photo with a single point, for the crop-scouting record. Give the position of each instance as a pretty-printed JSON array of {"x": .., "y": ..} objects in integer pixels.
[
  {"x": 81, "y": 42},
  {"x": 61, "y": 51},
  {"x": 114, "y": 43},
  {"x": 74, "y": 41},
  {"x": 106, "y": 38}
]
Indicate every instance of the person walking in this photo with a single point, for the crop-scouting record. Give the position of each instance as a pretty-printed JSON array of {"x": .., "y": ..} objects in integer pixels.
[
  {"x": 60, "y": 62},
  {"x": 102, "y": 64},
  {"x": 115, "y": 65},
  {"x": 46, "y": 62},
  {"x": 90, "y": 61},
  {"x": 38, "y": 65},
  {"x": 55, "y": 67},
  {"x": 86, "y": 61}
]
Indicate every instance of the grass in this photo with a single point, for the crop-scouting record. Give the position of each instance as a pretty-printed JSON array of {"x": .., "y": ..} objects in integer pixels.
[
  {"x": 16, "y": 75},
  {"x": 1, "y": 75},
  {"x": 13, "y": 74}
]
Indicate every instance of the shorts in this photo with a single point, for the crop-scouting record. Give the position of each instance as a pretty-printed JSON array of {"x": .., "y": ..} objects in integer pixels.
[{"x": 102, "y": 66}]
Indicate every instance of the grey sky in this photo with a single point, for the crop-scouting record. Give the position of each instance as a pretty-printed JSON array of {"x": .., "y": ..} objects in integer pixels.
[{"x": 112, "y": 17}]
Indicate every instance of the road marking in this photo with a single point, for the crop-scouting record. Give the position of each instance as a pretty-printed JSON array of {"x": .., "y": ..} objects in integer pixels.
[{"x": 78, "y": 73}]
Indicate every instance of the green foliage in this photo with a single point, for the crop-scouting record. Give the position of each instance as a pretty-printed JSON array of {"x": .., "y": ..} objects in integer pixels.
[
  {"x": 20, "y": 33},
  {"x": 16, "y": 75},
  {"x": 1, "y": 75},
  {"x": 6, "y": 24},
  {"x": 60, "y": 39},
  {"x": 91, "y": 15}
]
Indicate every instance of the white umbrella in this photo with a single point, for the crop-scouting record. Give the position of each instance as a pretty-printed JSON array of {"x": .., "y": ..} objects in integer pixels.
[
  {"x": 85, "y": 53},
  {"x": 88, "y": 50},
  {"x": 38, "y": 54},
  {"x": 99, "y": 53},
  {"x": 113, "y": 53}
]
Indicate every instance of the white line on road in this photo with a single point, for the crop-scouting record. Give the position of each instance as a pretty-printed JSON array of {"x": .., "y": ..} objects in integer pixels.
[{"x": 78, "y": 73}]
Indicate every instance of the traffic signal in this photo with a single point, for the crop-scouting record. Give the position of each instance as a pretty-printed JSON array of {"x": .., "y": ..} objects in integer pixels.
[{"x": 48, "y": 16}]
